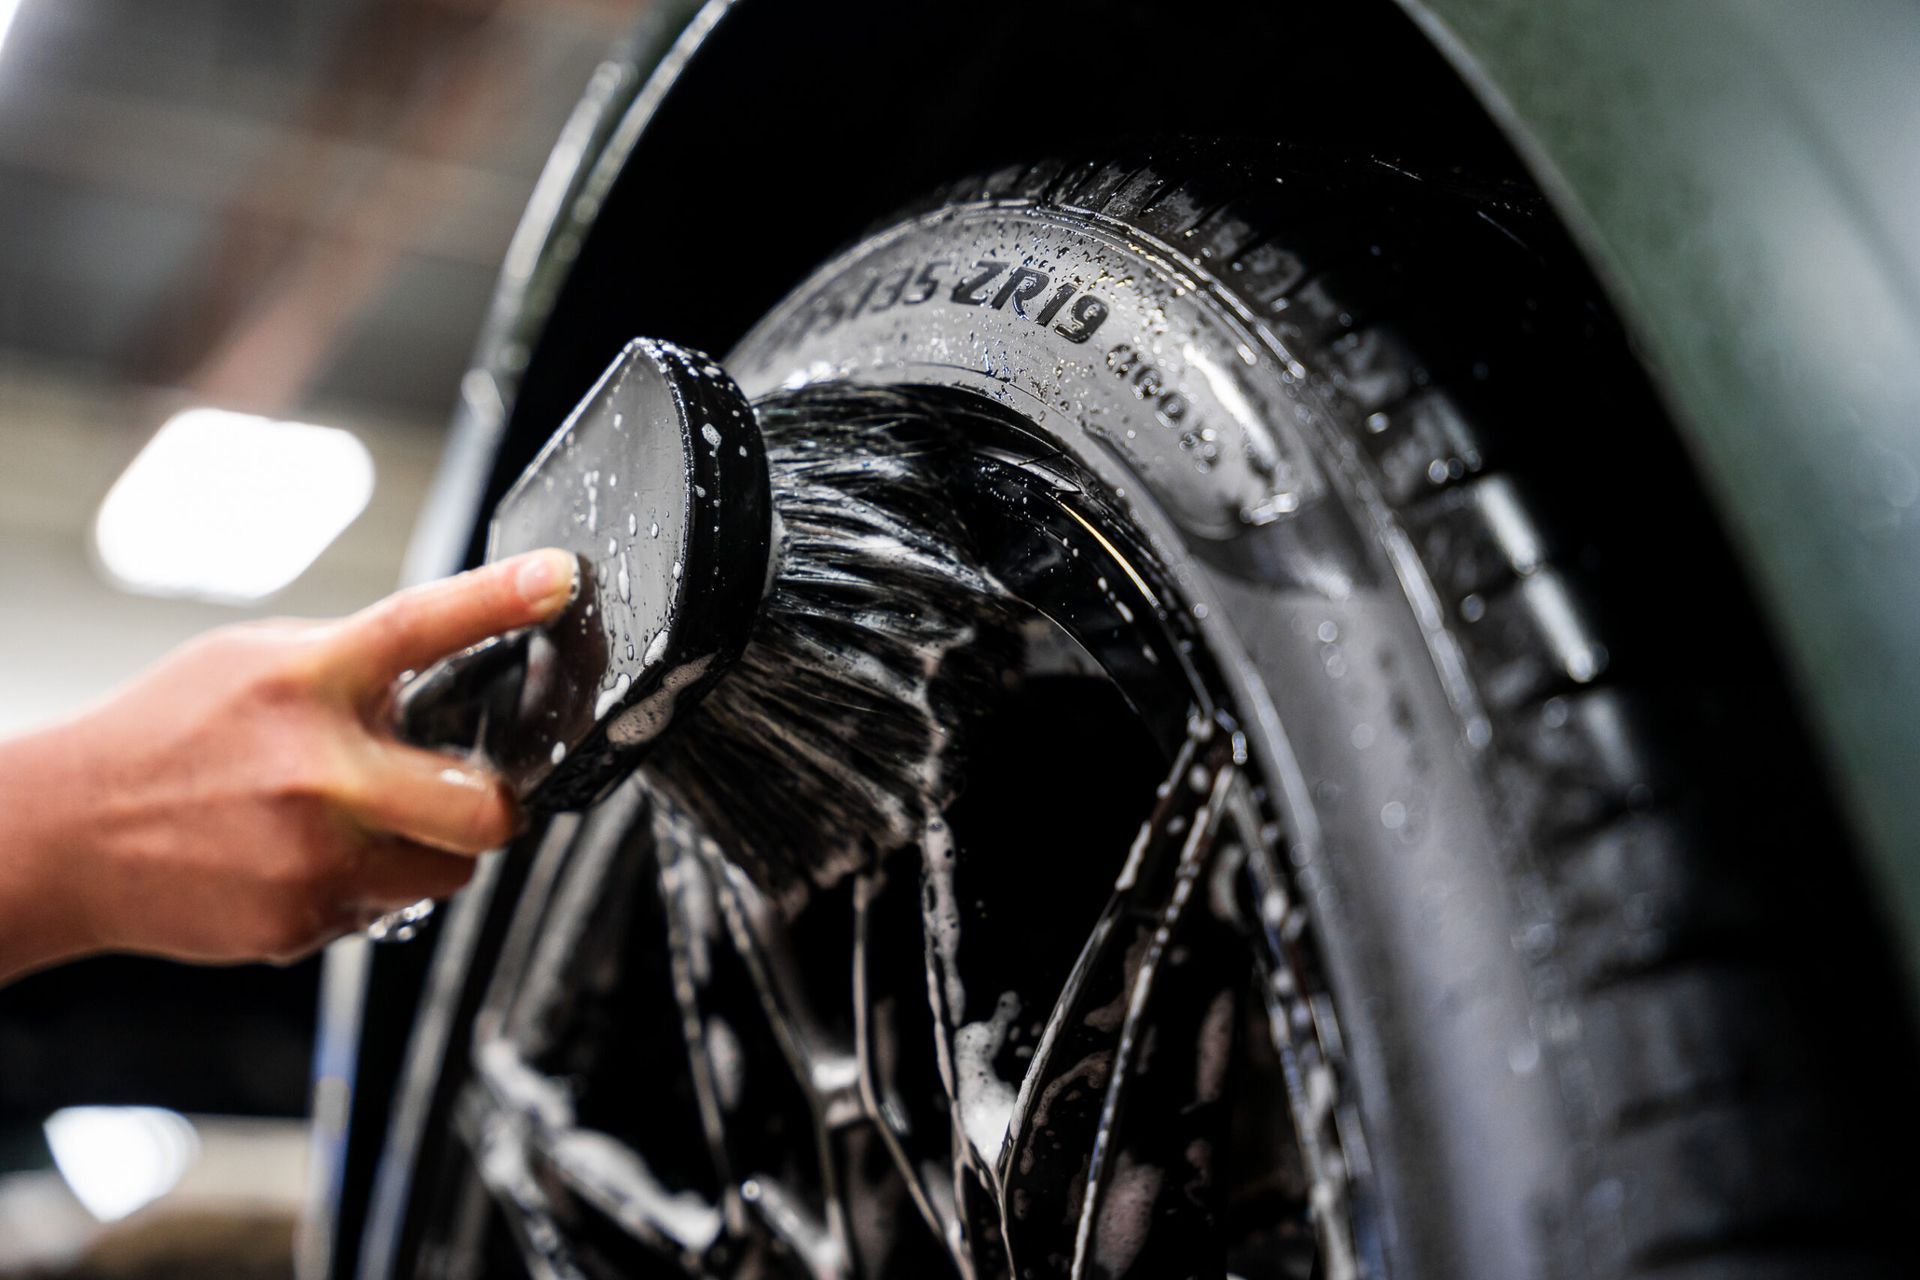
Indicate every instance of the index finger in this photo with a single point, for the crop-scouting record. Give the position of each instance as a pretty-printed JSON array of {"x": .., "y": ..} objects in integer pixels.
[{"x": 417, "y": 627}]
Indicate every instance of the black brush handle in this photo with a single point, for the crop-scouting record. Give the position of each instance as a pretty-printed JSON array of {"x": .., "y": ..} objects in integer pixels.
[
  {"x": 448, "y": 704},
  {"x": 658, "y": 483}
]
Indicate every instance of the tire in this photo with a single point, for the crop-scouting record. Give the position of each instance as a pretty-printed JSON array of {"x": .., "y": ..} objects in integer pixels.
[
  {"x": 1611, "y": 1001},
  {"x": 1579, "y": 980}
]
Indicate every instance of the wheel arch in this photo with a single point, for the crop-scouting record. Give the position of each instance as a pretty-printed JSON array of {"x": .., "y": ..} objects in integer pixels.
[
  {"x": 1739, "y": 179},
  {"x": 682, "y": 139}
]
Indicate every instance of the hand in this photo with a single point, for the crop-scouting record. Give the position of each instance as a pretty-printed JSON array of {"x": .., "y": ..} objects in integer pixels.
[{"x": 242, "y": 800}]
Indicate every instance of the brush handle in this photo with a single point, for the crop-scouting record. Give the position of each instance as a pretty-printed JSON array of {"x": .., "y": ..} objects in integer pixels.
[
  {"x": 658, "y": 483},
  {"x": 448, "y": 706}
]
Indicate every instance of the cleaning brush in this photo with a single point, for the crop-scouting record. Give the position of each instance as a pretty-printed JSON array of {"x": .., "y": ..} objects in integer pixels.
[
  {"x": 794, "y": 567},
  {"x": 837, "y": 733}
]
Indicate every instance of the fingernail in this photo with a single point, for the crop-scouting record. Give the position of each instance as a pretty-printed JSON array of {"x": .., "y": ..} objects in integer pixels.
[{"x": 545, "y": 579}]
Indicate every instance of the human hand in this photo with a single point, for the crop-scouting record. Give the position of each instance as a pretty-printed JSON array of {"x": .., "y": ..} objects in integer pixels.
[{"x": 244, "y": 800}]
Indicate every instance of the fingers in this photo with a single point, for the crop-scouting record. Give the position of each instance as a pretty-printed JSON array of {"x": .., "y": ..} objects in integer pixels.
[
  {"x": 430, "y": 798},
  {"x": 416, "y": 627},
  {"x": 396, "y": 872}
]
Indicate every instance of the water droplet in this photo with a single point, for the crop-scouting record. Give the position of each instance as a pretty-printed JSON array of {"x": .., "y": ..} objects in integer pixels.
[{"x": 611, "y": 698}]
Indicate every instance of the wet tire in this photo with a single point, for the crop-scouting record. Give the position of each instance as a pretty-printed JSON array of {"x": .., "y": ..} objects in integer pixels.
[{"x": 1612, "y": 999}]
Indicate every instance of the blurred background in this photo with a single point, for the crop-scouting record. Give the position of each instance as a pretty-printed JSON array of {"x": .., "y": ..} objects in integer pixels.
[{"x": 245, "y": 247}]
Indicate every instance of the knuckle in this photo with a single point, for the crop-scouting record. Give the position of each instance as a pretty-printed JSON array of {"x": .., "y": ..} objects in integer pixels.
[
  {"x": 301, "y": 665},
  {"x": 310, "y": 775},
  {"x": 275, "y": 665}
]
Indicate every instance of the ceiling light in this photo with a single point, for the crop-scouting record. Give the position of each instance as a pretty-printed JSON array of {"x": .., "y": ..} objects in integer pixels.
[
  {"x": 230, "y": 507},
  {"x": 8, "y": 9},
  {"x": 119, "y": 1159}
]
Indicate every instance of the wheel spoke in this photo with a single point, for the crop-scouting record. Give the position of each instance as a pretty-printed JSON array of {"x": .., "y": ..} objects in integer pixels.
[
  {"x": 1054, "y": 1168},
  {"x": 977, "y": 1121},
  {"x": 468, "y": 944},
  {"x": 501, "y": 1165},
  {"x": 1160, "y": 1120},
  {"x": 531, "y": 1152},
  {"x": 768, "y": 1105},
  {"x": 563, "y": 969},
  {"x": 819, "y": 1135},
  {"x": 695, "y": 941},
  {"x": 890, "y": 1022}
]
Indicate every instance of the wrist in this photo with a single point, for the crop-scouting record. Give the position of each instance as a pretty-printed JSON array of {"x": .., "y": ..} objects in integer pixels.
[{"x": 44, "y": 861}]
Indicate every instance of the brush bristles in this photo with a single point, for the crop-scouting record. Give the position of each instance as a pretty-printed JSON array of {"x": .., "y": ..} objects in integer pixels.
[{"x": 838, "y": 733}]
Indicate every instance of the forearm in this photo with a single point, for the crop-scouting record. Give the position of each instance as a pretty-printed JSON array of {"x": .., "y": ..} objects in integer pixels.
[{"x": 44, "y": 860}]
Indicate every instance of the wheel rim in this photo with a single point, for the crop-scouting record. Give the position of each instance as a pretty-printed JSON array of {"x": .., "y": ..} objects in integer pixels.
[{"x": 666, "y": 1072}]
